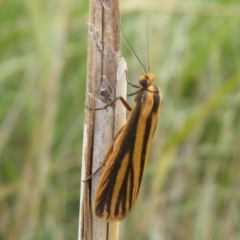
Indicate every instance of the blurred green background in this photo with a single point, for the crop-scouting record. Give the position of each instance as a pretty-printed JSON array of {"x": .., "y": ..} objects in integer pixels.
[{"x": 191, "y": 186}]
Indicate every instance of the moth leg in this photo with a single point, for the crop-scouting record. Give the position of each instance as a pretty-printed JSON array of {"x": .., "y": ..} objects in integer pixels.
[
  {"x": 111, "y": 102},
  {"x": 90, "y": 176},
  {"x": 105, "y": 159},
  {"x": 131, "y": 94},
  {"x": 131, "y": 84},
  {"x": 103, "y": 164}
]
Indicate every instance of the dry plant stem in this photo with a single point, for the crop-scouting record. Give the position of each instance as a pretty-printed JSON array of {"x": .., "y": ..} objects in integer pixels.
[{"x": 99, "y": 126}]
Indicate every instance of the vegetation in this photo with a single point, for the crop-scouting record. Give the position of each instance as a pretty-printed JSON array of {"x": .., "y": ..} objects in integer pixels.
[{"x": 191, "y": 184}]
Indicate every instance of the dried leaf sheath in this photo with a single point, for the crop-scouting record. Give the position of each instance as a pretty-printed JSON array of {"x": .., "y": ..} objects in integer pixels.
[{"x": 119, "y": 185}]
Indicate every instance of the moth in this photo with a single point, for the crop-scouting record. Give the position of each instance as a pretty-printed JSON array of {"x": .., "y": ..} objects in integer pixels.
[{"x": 128, "y": 154}]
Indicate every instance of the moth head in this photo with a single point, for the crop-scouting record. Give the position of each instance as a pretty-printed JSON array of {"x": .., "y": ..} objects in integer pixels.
[{"x": 146, "y": 80}]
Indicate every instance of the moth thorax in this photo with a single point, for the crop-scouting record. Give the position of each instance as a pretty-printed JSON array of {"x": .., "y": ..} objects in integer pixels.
[{"x": 146, "y": 80}]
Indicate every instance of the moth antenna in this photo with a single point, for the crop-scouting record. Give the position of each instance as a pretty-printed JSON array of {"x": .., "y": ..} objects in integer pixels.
[
  {"x": 129, "y": 45},
  {"x": 147, "y": 43}
]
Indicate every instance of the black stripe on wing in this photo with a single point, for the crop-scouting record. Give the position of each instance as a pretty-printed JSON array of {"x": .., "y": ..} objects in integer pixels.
[{"x": 155, "y": 108}]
